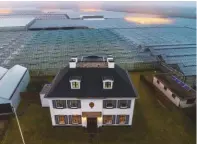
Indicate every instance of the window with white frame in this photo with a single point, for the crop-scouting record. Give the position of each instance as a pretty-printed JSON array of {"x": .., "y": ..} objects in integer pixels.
[
  {"x": 108, "y": 84},
  {"x": 76, "y": 119},
  {"x": 107, "y": 119},
  {"x": 109, "y": 104},
  {"x": 61, "y": 119},
  {"x": 73, "y": 104},
  {"x": 122, "y": 119},
  {"x": 75, "y": 84},
  {"x": 123, "y": 103},
  {"x": 59, "y": 104}
]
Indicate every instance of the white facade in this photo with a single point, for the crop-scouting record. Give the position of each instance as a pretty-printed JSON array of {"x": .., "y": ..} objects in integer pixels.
[
  {"x": 168, "y": 93},
  {"x": 98, "y": 107}
]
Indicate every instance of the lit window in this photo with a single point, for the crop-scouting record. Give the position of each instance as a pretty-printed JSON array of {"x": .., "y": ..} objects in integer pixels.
[
  {"x": 107, "y": 119},
  {"x": 61, "y": 119},
  {"x": 122, "y": 119},
  {"x": 76, "y": 119},
  {"x": 75, "y": 84},
  {"x": 107, "y": 84}
]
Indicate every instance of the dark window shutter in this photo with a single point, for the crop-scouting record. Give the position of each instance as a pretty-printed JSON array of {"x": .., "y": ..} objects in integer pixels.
[
  {"x": 114, "y": 103},
  {"x": 118, "y": 104},
  {"x": 129, "y": 104},
  {"x": 127, "y": 119},
  {"x": 70, "y": 119},
  {"x": 64, "y": 103},
  {"x": 80, "y": 120},
  {"x": 79, "y": 103},
  {"x": 56, "y": 119},
  {"x": 104, "y": 103},
  {"x": 117, "y": 119},
  {"x": 54, "y": 103},
  {"x": 113, "y": 119},
  {"x": 66, "y": 119},
  {"x": 68, "y": 104}
]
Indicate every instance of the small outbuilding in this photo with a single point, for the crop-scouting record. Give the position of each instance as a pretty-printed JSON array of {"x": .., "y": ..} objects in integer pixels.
[
  {"x": 12, "y": 82},
  {"x": 175, "y": 90}
]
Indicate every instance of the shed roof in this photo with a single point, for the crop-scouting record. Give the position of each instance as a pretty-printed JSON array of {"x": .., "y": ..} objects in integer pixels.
[
  {"x": 15, "y": 22},
  {"x": 4, "y": 101},
  {"x": 2, "y": 71},
  {"x": 10, "y": 81},
  {"x": 176, "y": 88}
]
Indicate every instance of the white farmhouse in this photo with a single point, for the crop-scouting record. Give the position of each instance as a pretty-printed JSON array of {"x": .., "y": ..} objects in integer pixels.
[{"x": 91, "y": 92}]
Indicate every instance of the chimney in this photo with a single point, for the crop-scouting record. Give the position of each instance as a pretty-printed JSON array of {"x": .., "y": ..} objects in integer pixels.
[
  {"x": 110, "y": 62},
  {"x": 73, "y": 62}
]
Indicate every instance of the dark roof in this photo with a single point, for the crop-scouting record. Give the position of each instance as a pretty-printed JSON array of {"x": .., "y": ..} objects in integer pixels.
[
  {"x": 45, "y": 89},
  {"x": 91, "y": 83},
  {"x": 107, "y": 78},
  {"x": 176, "y": 88},
  {"x": 75, "y": 78}
]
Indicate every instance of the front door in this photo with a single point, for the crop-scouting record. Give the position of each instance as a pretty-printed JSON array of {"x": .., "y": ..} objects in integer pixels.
[{"x": 92, "y": 125}]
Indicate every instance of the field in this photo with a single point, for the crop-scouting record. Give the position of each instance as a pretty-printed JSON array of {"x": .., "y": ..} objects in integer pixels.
[{"x": 152, "y": 123}]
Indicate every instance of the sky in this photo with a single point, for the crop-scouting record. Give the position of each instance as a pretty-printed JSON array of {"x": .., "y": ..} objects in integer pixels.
[{"x": 116, "y": 3}]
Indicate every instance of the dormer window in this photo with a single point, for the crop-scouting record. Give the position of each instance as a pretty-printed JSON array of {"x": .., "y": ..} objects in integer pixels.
[
  {"x": 75, "y": 82},
  {"x": 108, "y": 82}
]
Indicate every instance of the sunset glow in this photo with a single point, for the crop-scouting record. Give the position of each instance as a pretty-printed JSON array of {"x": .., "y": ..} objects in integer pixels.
[
  {"x": 5, "y": 11},
  {"x": 148, "y": 20},
  {"x": 90, "y": 10}
]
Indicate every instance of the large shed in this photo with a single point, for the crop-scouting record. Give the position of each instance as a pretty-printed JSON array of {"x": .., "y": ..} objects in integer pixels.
[{"x": 14, "y": 81}]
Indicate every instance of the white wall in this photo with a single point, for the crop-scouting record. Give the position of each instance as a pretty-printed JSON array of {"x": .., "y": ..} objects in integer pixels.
[
  {"x": 98, "y": 107},
  {"x": 167, "y": 92},
  {"x": 183, "y": 104},
  {"x": 44, "y": 101},
  {"x": 15, "y": 100}
]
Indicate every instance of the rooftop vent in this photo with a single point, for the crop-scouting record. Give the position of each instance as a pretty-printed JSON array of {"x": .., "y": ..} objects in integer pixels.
[
  {"x": 73, "y": 62},
  {"x": 111, "y": 63}
]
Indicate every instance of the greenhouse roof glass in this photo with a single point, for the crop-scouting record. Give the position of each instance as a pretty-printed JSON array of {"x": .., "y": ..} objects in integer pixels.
[{"x": 15, "y": 22}]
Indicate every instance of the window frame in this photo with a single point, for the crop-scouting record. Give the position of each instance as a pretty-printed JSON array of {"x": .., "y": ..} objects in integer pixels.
[
  {"x": 105, "y": 119},
  {"x": 126, "y": 104},
  {"x": 107, "y": 81},
  {"x": 63, "y": 116},
  {"x": 165, "y": 88},
  {"x": 71, "y": 104},
  {"x": 62, "y": 103},
  {"x": 124, "y": 121},
  {"x": 75, "y": 81},
  {"x": 107, "y": 102},
  {"x": 78, "y": 122}
]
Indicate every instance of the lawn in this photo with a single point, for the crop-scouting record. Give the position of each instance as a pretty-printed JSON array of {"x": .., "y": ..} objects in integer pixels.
[{"x": 152, "y": 123}]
